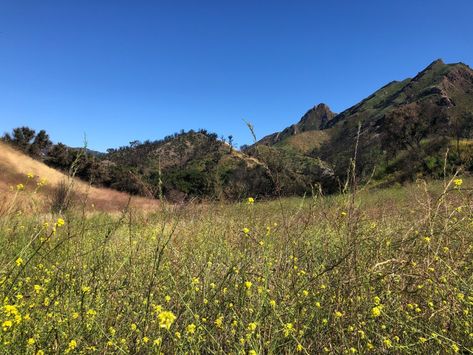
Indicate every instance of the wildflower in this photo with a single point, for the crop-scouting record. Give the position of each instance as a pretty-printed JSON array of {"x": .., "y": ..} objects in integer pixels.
[
  {"x": 19, "y": 262},
  {"x": 40, "y": 352},
  {"x": 251, "y": 200},
  {"x": 376, "y": 311},
  {"x": 85, "y": 289},
  {"x": 166, "y": 319},
  {"x": 72, "y": 345},
  {"x": 133, "y": 327},
  {"x": 252, "y": 352},
  {"x": 245, "y": 230},
  {"x": 7, "y": 325},
  {"x": 157, "y": 342},
  {"x": 219, "y": 322},
  {"x": 30, "y": 175},
  {"x": 288, "y": 329},
  {"x": 248, "y": 284},
  {"x": 31, "y": 341},
  {"x": 455, "y": 348},
  {"x": 60, "y": 222},
  {"x": 427, "y": 240},
  {"x": 91, "y": 312},
  {"x": 338, "y": 314},
  {"x": 299, "y": 348},
  {"x": 42, "y": 182},
  {"x": 167, "y": 298},
  {"x": 458, "y": 182},
  {"x": 20, "y": 187},
  {"x": 190, "y": 329},
  {"x": 422, "y": 340},
  {"x": 37, "y": 289},
  {"x": 387, "y": 343},
  {"x": 252, "y": 326},
  {"x": 272, "y": 303},
  {"x": 145, "y": 340}
]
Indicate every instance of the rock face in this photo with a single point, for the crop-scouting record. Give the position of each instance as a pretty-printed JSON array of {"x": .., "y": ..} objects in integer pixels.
[{"x": 317, "y": 118}]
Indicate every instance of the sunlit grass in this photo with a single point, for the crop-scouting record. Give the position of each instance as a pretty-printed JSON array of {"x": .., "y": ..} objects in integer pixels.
[{"x": 385, "y": 271}]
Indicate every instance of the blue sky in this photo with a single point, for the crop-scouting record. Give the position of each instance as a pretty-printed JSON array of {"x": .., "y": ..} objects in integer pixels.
[{"x": 124, "y": 70}]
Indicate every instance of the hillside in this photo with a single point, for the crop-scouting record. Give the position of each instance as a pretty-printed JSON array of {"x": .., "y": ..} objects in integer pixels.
[
  {"x": 405, "y": 127},
  {"x": 14, "y": 167},
  {"x": 191, "y": 164},
  {"x": 316, "y": 119}
]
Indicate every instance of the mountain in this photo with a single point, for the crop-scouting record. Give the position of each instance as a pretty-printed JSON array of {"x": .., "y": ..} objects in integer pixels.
[
  {"x": 317, "y": 118},
  {"x": 404, "y": 122}
]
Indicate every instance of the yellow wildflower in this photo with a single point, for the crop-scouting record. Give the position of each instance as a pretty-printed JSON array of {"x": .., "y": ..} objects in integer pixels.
[
  {"x": 376, "y": 311},
  {"x": 166, "y": 318},
  {"x": 458, "y": 182},
  {"x": 288, "y": 329},
  {"x": 219, "y": 322},
  {"x": 7, "y": 325},
  {"x": 252, "y": 326},
  {"x": 72, "y": 345},
  {"x": 190, "y": 329}
]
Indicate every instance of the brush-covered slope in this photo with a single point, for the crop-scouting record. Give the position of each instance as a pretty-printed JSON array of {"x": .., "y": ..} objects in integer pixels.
[
  {"x": 406, "y": 126},
  {"x": 193, "y": 164}
]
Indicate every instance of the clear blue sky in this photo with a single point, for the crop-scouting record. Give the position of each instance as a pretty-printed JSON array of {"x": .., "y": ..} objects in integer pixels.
[{"x": 124, "y": 70}]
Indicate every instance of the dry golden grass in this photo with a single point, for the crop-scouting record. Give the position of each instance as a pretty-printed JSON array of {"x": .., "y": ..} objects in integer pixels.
[{"x": 14, "y": 166}]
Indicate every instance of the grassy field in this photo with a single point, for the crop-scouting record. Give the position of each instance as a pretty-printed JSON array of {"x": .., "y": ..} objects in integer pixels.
[{"x": 386, "y": 271}]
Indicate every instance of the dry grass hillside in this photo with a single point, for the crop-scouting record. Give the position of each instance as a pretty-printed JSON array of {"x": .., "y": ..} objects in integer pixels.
[{"x": 15, "y": 166}]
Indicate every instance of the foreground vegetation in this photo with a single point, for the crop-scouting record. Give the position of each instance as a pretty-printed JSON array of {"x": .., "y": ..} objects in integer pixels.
[{"x": 383, "y": 272}]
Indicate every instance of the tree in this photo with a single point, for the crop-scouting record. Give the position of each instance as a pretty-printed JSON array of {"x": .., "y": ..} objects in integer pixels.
[
  {"x": 41, "y": 143},
  {"x": 21, "y": 137}
]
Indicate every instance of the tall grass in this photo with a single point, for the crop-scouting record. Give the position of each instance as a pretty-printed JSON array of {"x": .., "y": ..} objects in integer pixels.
[{"x": 382, "y": 272}]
